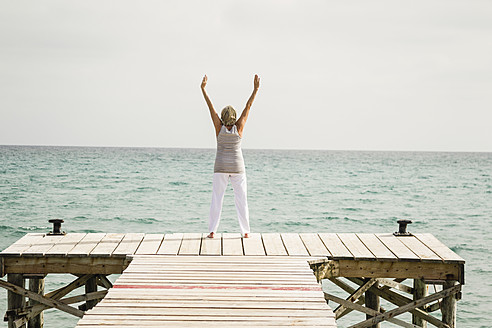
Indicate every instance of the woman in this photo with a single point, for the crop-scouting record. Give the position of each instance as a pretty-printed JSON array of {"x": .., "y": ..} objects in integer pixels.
[{"x": 229, "y": 162}]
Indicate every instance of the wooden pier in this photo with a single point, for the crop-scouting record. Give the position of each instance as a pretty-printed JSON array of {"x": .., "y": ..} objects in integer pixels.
[{"x": 183, "y": 280}]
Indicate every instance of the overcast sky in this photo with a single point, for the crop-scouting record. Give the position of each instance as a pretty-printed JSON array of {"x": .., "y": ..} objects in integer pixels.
[{"x": 348, "y": 75}]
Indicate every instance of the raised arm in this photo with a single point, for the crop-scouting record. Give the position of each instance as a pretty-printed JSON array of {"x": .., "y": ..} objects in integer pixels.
[
  {"x": 241, "y": 122},
  {"x": 213, "y": 113}
]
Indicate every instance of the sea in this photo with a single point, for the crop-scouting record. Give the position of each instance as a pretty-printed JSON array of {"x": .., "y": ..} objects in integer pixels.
[{"x": 164, "y": 190}]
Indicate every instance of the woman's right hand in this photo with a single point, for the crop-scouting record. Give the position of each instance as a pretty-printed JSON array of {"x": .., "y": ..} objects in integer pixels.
[
  {"x": 204, "y": 82},
  {"x": 257, "y": 83}
]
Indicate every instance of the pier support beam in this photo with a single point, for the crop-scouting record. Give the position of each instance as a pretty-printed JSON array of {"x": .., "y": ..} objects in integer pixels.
[
  {"x": 36, "y": 285},
  {"x": 419, "y": 291},
  {"x": 372, "y": 301},
  {"x": 15, "y": 301},
  {"x": 449, "y": 306},
  {"x": 90, "y": 287}
]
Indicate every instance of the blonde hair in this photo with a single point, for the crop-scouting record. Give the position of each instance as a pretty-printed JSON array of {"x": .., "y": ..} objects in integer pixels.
[{"x": 228, "y": 116}]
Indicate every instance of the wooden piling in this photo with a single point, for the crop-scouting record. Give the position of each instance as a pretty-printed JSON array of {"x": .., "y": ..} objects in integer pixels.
[
  {"x": 372, "y": 301},
  {"x": 419, "y": 291},
  {"x": 90, "y": 287},
  {"x": 15, "y": 301},
  {"x": 36, "y": 284},
  {"x": 449, "y": 306}
]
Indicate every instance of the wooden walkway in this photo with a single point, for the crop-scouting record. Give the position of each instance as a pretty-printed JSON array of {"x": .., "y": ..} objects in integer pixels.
[
  {"x": 341, "y": 246},
  {"x": 186, "y": 279},
  {"x": 215, "y": 291}
]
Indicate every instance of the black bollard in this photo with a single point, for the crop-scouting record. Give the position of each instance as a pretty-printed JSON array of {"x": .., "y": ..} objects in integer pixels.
[
  {"x": 56, "y": 227},
  {"x": 402, "y": 228}
]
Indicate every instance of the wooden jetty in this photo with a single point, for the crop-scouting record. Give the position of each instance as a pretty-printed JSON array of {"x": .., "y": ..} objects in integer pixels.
[{"x": 186, "y": 279}]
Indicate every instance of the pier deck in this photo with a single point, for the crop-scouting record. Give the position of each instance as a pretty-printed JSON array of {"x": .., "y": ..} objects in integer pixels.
[{"x": 186, "y": 279}]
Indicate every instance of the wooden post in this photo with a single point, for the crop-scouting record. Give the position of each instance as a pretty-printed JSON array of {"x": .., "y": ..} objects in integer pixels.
[
  {"x": 449, "y": 306},
  {"x": 36, "y": 284},
  {"x": 91, "y": 286},
  {"x": 372, "y": 301},
  {"x": 419, "y": 291},
  {"x": 15, "y": 301}
]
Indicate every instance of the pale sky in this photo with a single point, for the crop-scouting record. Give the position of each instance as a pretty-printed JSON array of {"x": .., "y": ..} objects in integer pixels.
[{"x": 338, "y": 75}]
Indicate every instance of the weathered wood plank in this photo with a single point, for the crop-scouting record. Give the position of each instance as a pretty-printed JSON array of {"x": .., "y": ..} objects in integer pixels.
[
  {"x": 421, "y": 250},
  {"x": 171, "y": 244},
  {"x": 356, "y": 247},
  {"x": 22, "y": 244},
  {"x": 190, "y": 244},
  {"x": 294, "y": 244},
  {"x": 335, "y": 246},
  {"x": 314, "y": 245},
  {"x": 129, "y": 244},
  {"x": 107, "y": 245},
  {"x": 71, "y": 265},
  {"x": 150, "y": 243},
  {"x": 446, "y": 254},
  {"x": 397, "y": 247},
  {"x": 86, "y": 245},
  {"x": 273, "y": 244},
  {"x": 232, "y": 244},
  {"x": 376, "y": 247},
  {"x": 253, "y": 245},
  {"x": 66, "y": 244},
  {"x": 43, "y": 245},
  {"x": 211, "y": 246}
]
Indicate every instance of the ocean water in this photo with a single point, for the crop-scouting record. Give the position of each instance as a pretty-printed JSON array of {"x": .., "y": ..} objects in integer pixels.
[{"x": 169, "y": 190}]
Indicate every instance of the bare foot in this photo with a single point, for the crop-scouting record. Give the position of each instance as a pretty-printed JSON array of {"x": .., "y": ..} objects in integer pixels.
[
  {"x": 246, "y": 235},
  {"x": 210, "y": 235}
]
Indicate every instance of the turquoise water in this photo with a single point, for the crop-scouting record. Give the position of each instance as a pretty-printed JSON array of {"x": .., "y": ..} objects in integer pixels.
[{"x": 169, "y": 190}]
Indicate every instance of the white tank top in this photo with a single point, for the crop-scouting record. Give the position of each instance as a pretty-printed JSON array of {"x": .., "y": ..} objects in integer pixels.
[{"x": 229, "y": 157}]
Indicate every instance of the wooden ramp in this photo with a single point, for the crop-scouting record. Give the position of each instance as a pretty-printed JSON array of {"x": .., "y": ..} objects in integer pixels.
[{"x": 214, "y": 291}]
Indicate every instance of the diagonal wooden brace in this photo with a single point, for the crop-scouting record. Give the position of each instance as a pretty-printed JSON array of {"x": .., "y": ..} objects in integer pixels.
[
  {"x": 363, "y": 309},
  {"x": 38, "y": 308},
  {"x": 41, "y": 299},
  {"x": 408, "y": 307},
  {"x": 355, "y": 296},
  {"x": 400, "y": 300}
]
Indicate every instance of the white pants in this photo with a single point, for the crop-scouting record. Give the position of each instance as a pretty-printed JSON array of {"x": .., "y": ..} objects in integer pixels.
[{"x": 219, "y": 185}]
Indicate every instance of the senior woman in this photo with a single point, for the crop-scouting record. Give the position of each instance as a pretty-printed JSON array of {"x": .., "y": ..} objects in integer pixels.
[{"x": 229, "y": 162}]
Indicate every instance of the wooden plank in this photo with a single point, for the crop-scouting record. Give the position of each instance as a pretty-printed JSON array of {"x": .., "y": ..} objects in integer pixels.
[
  {"x": 397, "y": 247},
  {"x": 66, "y": 244},
  {"x": 86, "y": 245},
  {"x": 72, "y": 265},
  {"x": 171, "y": 244},
  {"x": 129, "y": 244},
  {"x": 421, "y": 250},
  {"x": 22, "y": 244},
  {"x": 446, "y": 254},
  {"x": 253, "y": 245},
  {"x": 190, "y": 244},
  {"x": 232, "y": 244},
  {"x": 273, "y": 244},
  {"x": 107, "y": 245},
  {"x": 43, "y": 245},
  {"x": 399, "y": 269},
  {"x": 335, "y": 246},
  {"x": 236, "y": 304},
  {"x": 356, "y": 247},
  {"x": 294, "y": 244},
  {"x": 314, "y": 245},
  {"x": 376, "y": 247},
  {"x": 203, "y": 321},
  {"x": 150, "y": 243},
  {"x": 211, "y": 246}
]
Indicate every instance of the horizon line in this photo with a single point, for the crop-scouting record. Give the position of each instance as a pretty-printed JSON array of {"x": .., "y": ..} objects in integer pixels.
[{"x": 286, "y": 149}]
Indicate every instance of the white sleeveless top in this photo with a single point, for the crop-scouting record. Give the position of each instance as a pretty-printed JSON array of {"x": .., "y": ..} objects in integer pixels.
[{"x": 229, "y": 157}]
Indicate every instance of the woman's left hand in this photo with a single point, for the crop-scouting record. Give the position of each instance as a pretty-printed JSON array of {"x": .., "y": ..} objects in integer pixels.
[
  {"x": 257, "y": 82},
  {"x": 204, "y": 82}
]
